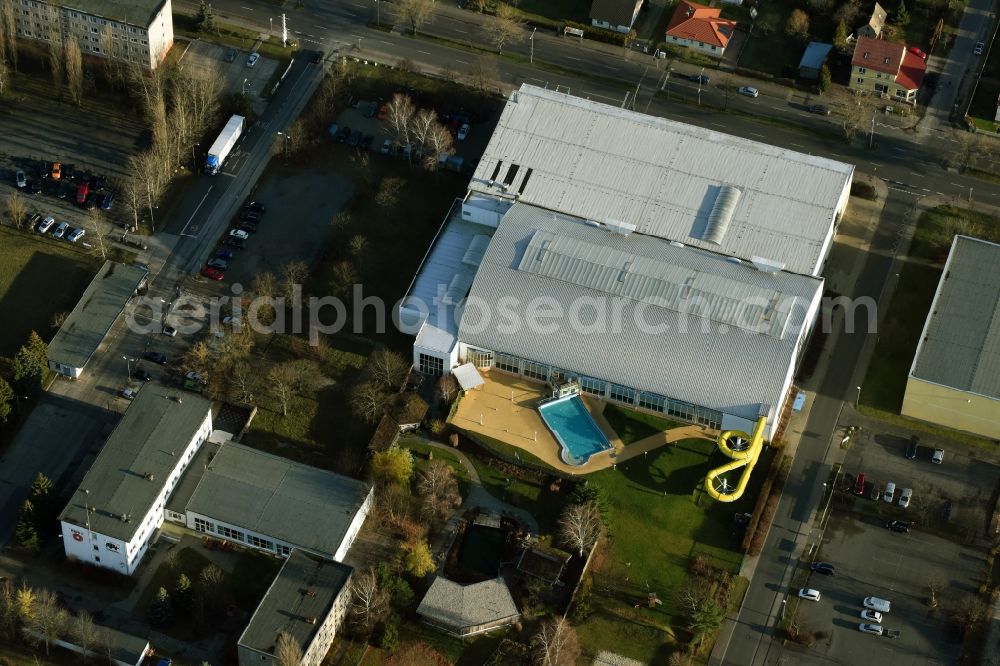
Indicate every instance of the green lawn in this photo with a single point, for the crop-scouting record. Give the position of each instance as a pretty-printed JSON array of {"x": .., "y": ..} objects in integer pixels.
[
  {"x": 32, "y": 266},
  {"x": 536, "y": 498},
  {"x": 632, "y": 426},
  {"x": 421, "y": 458},
  {"x": 659, "y": 519},
  {"x": 885, "y": 381}
]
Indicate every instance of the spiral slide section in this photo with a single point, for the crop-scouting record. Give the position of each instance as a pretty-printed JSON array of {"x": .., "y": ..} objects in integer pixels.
[{"x": 744, "y": 449}]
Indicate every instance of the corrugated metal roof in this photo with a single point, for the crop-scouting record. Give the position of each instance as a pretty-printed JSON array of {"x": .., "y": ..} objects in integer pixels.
[
  {"x": 597, "y": 161},
  {"x": 298, "y": 504},
  {"x": 96, "y": 311},
  {"x": 304, "y": 590},
  {"x": 960, "y": 346},
  {"x": 721, "y": 355}
]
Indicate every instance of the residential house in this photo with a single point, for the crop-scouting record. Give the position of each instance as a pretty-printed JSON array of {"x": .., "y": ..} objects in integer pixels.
[
  {"x": 617, "y": 15},
  {"x": 887, "y": 69},
  {"x": 700, "y": 28},
  {"x": 464, "y": 610},
  {"x": 873, "y": 29}
]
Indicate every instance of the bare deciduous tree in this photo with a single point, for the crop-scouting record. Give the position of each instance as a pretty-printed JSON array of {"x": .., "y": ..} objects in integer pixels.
[
  {"x": 55, "y": 59},
  {"x": 49, "y": 620},
  {"x": 293, "y": 273},
  {"x": 242, "y": 380},
  {"x": 388, "y": 369},
  {"x": 17, "y": 208},
  {"x": 484, "y": 74},
  {"x": 580, "y": 526},
  {"x": 447, "y": 387},
  {"x": 556, "y": 643},
  {"x": 421, "y": 124},
  {"x": 370, "y": 604},
  {"x": 398, "y": 118},
  {"x": 74, "y": 69},
  {"x": 10, "y": 616},
  {"x": 8, "y": 26},
  {"x": 438, "y": 142},
  {"x": 287, "y": 650},
  {"x": 505, "y": 26},
  {"x": 282, "y": 378},
  {"x": 4, "y": 76},
  {"x": 94, "y": 226},
  {"x": 85, "y": 633},
  {"x": 415, "y": 12},
  {"x": 438, "y": 491},
  {"x": 368, "y": 402}
]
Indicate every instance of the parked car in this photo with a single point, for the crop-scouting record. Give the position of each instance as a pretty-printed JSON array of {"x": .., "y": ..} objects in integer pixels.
[
  {"x": 317, "y": 57},
  {"x": 82, "y": 190},
  {"x": 221, "y": 264},
  {"x": 33, "y": 187},
  {"x": 749, "y": 91},
  {"x": 859, "y": 484},
  {"x": 252, "y": 60},
  {"x": 107, "y": 200},
  {"x": 212, "y": 273},
  {"x": 978, "y": 49},
  {"x": 56, "y": 170},
  {"x": 917, "y": 52},
  {"x": 697, "y": 78},
  {"x": 223, "y": 253},
  {"x": 810, "y": 594},
  {"x": 169, "y": 331},
  {"x": 938, "y": 456},
  {"x": 913, "y": 447},
  {"x": 230, "y": 55},
  {"x": 366, "y": 143},
  {"x": 900, "y": 526},
  {"x": 824, "y": 568},
  {"x": 76, "y": 235},
  {"x": 947, "y": 510},
  {"x": 98, "y": 182},
  {"x": 155, "y": 357},
  {"x": 249, "y": 227},
  {"x": 890, "y": 492},
  {"x": 904, "y": 497},
  {"x": 254, "y": 206},
  {"x": 874, "y": 629},
  {"x": 142, "y": 374},
  {"x": 386, "y": 147},
  {"x": 232, "y": 241},
  {"x": 128, "y": 393},
  {"x": 463, "y": 132},
  {"x": 818, "y": 109},
  {"x": 250, "y": 216},
  {"x": 20, "y": 179},
  {"x": 60, "y": 230},
  {"x": 237, "y": 233},
  {"x": 355, "y": 139},
  {"x": 45, "y": 224},
  {"x": 33, "y": 220},
  {"x": 871, "y": 616},
  {"x": 342, "y": 135}
]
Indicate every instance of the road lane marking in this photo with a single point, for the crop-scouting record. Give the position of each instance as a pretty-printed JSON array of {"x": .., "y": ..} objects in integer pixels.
[
  {"x": 249, "y": 9},
  {"x": 798, "y": 145},
  {"x": 755, "y": 134},
  {"x": 424, "y": 52},
  {"x": 464, "y": 62},
  {"x": 210, "y": 187},
  {"x": 573, "y": 58}
]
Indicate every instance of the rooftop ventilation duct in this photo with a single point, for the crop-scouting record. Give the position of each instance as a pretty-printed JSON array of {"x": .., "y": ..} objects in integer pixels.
[
  {"x": 722, "y": 214},
  {"x": 767, "y": 265},
  {"x": 623, "y": 228}
]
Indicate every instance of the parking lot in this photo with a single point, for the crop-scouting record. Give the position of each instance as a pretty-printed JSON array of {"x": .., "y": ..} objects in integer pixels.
[
  {"x": 239, "y": 78},
  {"x": 872, "y": 561}
]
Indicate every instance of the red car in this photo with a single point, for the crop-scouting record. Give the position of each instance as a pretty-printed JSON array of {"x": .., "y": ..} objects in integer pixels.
[
  {"x": 82, "y": 190},
  {"x": 859, "y": 484},
  {"x": 212, "y": 273},
  {"x": 917, "y": 52}
]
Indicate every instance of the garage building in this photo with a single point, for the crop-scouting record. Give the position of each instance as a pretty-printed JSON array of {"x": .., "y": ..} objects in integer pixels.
[{"x": 955, "y": 377}]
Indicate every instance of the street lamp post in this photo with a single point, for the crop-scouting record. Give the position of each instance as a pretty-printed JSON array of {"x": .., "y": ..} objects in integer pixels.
[
  {"x": 194, "y": 160},
  {"x": 701, "y": 77},
  {"x": 532, "y": 38},
  {"x": 378, "y": 14},
  {"x": 871, "y": 138},
  {"x": 857, "y": 401},
  {"x": 270, "y": 21},
  {"x": 286, "y": 137},
  {"x": 244, "y": 89},
  {"x": 128, "y": 365}
]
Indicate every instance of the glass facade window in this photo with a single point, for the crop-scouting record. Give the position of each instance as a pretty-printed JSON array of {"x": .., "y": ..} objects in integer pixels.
[
  {"x": 536, "y": 370},
  {"x": 652, "y": 401},
  {"x": 431, "y": 365},
  {"x": 284, "y": 550},
  {"x": 259, "y": 543},
  {"x": 508, "y": 363},
  {"x": 203, "y": 525},
  {"x": 480, "y": 358},
  {"x": 231, "y": 533},
  {"x": 592, "y": 386},
  {"x": 621, "y": 393}
]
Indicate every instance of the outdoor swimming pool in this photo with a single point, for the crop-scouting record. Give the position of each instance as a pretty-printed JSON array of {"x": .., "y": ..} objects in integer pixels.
[{"x": 574, "y": 428}]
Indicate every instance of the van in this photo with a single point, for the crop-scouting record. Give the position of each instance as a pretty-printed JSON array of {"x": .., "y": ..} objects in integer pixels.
[
  {"x": 877, "y": 604},
  {"x": 890, "y": 491}
]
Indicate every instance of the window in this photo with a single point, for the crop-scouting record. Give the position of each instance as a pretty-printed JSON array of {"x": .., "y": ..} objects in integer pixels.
[
  {"x": 621, "y": 393},
  {"x": 652, "y": 401},
  {"x": 680, "y": 409},
  {"x": 95, "y": 547},
  {"x": 861, "y": 70},
  {"x": 229, "y": 533},
  {"x": 112, "y": 547},
  {"x": 203, "y": 525},
  {"x": 860, "y": 80},
  {"x": 592, "y": 386},
  {"x": 480, "y": 358},
  {"x": 259, "y": 543},
  {"x": 508, "y": 363},
  {"x": 431, "y": 365},
  {"x": 284, "y": 550},
  {"x": 536, "y": 370}
]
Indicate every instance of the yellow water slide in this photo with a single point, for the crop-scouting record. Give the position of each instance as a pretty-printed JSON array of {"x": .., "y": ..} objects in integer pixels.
[{"x": 744, "y": 449}]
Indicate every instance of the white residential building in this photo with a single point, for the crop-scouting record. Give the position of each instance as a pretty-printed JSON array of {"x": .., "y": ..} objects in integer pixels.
[{"x": 133, "y": 31}]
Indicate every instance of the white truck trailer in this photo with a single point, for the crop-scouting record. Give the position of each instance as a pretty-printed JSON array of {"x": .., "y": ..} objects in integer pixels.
[{"x": 223, "y": 145}]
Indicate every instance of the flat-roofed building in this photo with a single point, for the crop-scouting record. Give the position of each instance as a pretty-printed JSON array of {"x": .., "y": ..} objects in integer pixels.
[
  {"x": 955, "y": 377},
  {"x": 111, "y": 518},
  {"x": 138, "y": 32},
  {"x": 307, "y": 601},
  {"x": 104, "y": 300}
]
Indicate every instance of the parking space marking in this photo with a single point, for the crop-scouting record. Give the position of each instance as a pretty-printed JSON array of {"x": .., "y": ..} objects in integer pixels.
[{"x": 210, "y": 188}]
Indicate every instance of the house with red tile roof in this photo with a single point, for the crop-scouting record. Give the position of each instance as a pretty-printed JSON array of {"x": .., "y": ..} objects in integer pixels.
[
  {"x": 701, "y": 28},
  {"x": 617, "y": 15},
  {"x": 887, "y": 69}
]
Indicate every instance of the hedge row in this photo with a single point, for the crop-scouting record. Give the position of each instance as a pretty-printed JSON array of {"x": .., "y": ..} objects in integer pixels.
[{"x": 767, "y": 504}]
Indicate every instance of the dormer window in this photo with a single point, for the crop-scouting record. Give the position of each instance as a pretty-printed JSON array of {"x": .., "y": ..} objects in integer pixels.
[
  {"x": 866, "y": 55},
  {"x": 887, "y": 61}
]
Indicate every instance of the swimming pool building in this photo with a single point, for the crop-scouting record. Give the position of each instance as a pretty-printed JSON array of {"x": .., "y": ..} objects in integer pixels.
[{"x": 663, "y": 266}]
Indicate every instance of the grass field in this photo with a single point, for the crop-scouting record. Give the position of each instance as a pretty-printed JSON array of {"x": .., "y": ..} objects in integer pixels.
[
  {"x": 632, "y": 426},
  {"x": 885, "y": 381},
  {"x": 657, "y": 524},
  {"x": 38, "y": 278}
]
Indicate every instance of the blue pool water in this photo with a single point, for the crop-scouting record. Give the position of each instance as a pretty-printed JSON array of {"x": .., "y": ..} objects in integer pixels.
[{"x": 573, "y": 426}]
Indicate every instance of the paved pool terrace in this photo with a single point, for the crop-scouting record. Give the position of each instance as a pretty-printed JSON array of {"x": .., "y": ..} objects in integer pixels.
[{"x": 505, "y": 408}]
